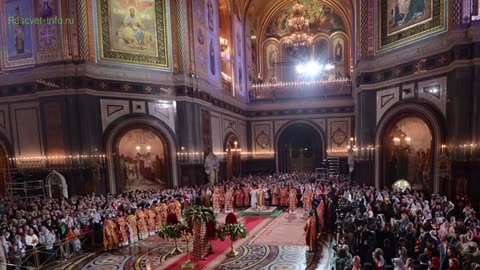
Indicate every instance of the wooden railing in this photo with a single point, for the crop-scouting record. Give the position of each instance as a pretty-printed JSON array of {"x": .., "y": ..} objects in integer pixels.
[{"x": 301, "y": 89}]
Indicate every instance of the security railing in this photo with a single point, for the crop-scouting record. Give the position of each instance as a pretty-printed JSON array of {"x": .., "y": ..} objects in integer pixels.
[
  {"x": 301, "y": 89},
  {"x": 62, "y": 252}
]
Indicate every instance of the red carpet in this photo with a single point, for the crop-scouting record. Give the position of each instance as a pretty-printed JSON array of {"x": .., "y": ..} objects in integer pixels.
[
  {"x": 218, "y": 246},
  {"x": 286, "y": 230}
]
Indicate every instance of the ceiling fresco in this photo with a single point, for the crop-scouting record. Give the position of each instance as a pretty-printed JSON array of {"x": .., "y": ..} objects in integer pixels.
[{"x": 321, "y": 17}]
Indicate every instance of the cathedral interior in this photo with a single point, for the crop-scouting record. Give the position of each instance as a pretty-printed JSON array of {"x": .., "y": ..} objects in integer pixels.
[{"x": 100, "y": 98}]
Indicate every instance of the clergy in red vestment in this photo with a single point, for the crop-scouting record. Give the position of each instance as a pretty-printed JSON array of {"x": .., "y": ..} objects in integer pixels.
[
  {"x": 163, "y": 213},
  {"x": 306, "y": 199},
  {"x": 122, "y": 230},
  {"x": 142, "y": 224},
  {"x": 246, "y": 196},
  {"x": 171, "y": 207},
  {"x": 321, "y": 213},
  {"x": 151, "y": 221},
  {"x": 221, "y": 191},
  {"x": 132, "y": 227},
  {"x": 284, "y": 196},
  {"x": 310, "y": 229},
  {"x": 292, "y": 201},
  {"x": 110, "y": 238},
  {"x": 229, "y": 201},
  {"x": 216, "y": 201},
  {"x": 239, "y": 197},
  {"x": 275, "y": 197},
  {"x": 158, "y": 217},
  {"x": 178, "y": 208}
]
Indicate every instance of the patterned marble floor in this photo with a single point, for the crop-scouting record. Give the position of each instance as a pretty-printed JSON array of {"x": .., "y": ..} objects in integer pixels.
[{"x": 153, "y": 254}]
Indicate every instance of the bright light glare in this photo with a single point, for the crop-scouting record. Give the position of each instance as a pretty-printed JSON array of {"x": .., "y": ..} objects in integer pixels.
[
  {"x": 312, "y": 68},
  {"x": 299, "y": 68}
]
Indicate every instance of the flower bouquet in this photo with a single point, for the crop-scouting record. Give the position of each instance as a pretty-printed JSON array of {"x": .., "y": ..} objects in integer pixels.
[
  {"x": 173, "y": 229},
  {"x": 232, "y": 229}
]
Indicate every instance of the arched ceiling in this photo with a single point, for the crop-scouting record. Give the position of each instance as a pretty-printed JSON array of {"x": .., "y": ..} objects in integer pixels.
[{"x": 264, "y": 10}]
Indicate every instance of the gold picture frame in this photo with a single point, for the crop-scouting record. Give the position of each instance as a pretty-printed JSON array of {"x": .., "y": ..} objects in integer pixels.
[
  {"x": 401, "y": 22},
  {"x": 133, "y": 34}
]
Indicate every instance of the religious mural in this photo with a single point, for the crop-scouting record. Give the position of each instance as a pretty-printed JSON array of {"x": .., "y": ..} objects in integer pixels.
[
  {"x": 200, "y": 34},
  {"x": 140, "y": 162},
  {"x": 48, "y": 34},
  {"x": 212, "y": 35},
  {"x": 211, "y": 59},
  {"x": 402, "y": 21},
  {"x": 322, "y": 18},
  {"x": 405, "y": 13},
  {"x": 409, "y": 153},
  {"x": 238, "y": 38},
  {"x": 133, "y": 31},
  {"x": 210, "y": 16},
  {"x": 17, "y": 35},
  {"x": 338, "y": 46},
  {"x": 272, "y": 56}
]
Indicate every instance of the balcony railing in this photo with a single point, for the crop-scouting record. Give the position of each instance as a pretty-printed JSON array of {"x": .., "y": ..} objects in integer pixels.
[{"x": 301, "y": 89}]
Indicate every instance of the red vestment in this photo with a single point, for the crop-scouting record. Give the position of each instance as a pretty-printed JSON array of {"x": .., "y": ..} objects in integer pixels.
[
  {"x": 239, "y": 198},
  {"x": 310, "y": 229},
  {"x": 110, "y": 238}
]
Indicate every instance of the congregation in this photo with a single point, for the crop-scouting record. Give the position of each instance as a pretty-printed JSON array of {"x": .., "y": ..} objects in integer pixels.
[{"x": 375, "y": 229}]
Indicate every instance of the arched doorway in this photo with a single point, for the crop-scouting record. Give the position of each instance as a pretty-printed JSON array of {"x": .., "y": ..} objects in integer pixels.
[
  {"x": 407, "y": 148},
  {"x": 232, "y": 147},
  {"x": 299, "y": 148},
  {"x": 409, "y": 136},
  {"x": 141, "y": 155},
  {"x": 140, "y": 160},
  {"x": 56, "y": 185}
]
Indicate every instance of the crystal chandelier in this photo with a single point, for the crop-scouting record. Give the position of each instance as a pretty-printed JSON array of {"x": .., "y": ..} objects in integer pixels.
[{"x": 298, "y": 27}]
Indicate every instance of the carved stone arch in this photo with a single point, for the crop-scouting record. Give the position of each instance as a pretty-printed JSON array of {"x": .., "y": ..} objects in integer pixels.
[
  {"x": 55, "y": 178},
  {"x": 321, "y": 147},
  {"x": 158, "y": 127},
  {"x": 432, "y": 119}
]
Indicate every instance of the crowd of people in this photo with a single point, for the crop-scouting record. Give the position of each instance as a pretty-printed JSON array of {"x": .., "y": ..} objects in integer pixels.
[
  {"x": 123, "y": 219},
  {"x": 404, "y": 229},
  {"x": 377, "y": 229}
]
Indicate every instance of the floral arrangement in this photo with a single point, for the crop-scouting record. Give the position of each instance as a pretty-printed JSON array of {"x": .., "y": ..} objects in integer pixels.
[
  {"x": 231, "y": 228},
  {"x": 199, "y": 213},
  {"x": 172, "y": 231},
  {"x": 234, "y": 230},
  {"x": 173, "y": 228}
]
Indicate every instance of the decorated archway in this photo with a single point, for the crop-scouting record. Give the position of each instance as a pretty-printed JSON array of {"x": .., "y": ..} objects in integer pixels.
[
  {"x": 140, "y": 155},
  {"x": 233, "y": 149},
  {"x": 408, "y": 141},
  {"x": 56, "y": 185},
  {"x": 299, "y": 147}
]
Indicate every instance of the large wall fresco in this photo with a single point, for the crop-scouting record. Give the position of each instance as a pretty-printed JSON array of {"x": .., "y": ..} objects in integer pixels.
[
  {"x": 18, "y": 38},
  {"x": 200, "y": 34},
  {"x": 133, "y": 32},
  {"x": 403, "y": 21},
  {"x": 212, "y": 34},
  {"x": 322, "y": 18},
  {"x": 140, "y": 163}
]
